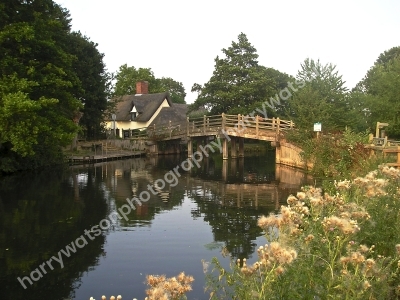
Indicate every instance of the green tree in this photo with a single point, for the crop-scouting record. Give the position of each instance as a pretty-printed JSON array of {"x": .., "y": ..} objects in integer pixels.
[
  {"x": 282, "y": 85},
  {"x": 37, "y": 103},
  {"x": 95, "y": 83},
  {"x": 320, "y": 98},
  {"x": 379, "y": 88},
  {"x": 174, "y": 88},
  {"x": 237, "y": 83},
  {"x": 127, "y": 77}
]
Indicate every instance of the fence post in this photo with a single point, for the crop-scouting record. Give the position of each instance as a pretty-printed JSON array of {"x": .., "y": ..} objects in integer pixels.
[
  {"x": 187, "y": 126},
  {"x": 278, "y": 121},
  {"x": 257, "y": 126},
  {"x": 204, "y": 123},
  {"x": 223, "y": 124}
]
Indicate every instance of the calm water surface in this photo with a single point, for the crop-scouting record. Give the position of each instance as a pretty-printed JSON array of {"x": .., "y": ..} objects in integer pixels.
[{"x": 206, "y": 212}]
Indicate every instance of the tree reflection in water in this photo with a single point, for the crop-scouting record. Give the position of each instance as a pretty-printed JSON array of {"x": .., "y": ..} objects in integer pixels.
[{"x": 41, "y": 213}]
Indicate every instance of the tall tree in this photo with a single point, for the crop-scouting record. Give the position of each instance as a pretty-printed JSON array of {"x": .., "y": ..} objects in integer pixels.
[
  {"x": 379, "y": 92},
  {"x": 237, "y": 83},
  {"x": 37, "y": 103},
  {"x": 93, "y": 91},
  {"x": 321, "y": 98}
]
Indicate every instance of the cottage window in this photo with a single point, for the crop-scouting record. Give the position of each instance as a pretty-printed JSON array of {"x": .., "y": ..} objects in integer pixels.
[{"x": 133, "y": 116}]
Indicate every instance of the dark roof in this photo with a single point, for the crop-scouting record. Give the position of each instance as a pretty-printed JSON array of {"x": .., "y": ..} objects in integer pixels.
[
  {"x": 146, "y": 105},
  {"x": 176, "y": 114}
]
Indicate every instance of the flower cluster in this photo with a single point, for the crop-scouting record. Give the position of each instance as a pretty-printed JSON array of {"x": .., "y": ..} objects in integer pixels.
[
  {"x": 346, "y": 226},
  {"x": 314, "y": 250},
  {"x": 390, "y": 171},
  {"x": 163, "y": 288},
  {"x": 270, "y": 257},
  {"x": 371, "y": 185}
]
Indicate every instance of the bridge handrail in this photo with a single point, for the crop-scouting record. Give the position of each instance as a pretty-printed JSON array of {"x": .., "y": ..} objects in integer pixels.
[
  {"x": 213, "y": 123},
  {"x": 138, "y": 133}
]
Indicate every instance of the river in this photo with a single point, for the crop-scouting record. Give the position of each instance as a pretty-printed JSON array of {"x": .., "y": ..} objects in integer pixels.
[{"x": 69, "y": 234}]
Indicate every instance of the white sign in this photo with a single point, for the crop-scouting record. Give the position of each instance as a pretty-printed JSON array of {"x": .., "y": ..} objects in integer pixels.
[{"x": 317, "y": 126}]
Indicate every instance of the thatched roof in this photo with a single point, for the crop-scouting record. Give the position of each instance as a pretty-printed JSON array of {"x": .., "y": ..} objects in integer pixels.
[
  {"x": 146, "y": 105},
  {"x": 176, "y": 114}
]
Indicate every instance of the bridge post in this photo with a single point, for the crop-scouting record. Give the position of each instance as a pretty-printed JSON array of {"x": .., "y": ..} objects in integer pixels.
[
  {"x": 190, "y": 147},
  {"x": 278, "y": 121},
  {"x": 233, "y": 147},
  {"x": 206, "y": 165},
  {"x": 187, "y": 126},
  {"x": 224, "y": 148},
  {"x": 241, "y": 167},
  {"x": 277, "y": 171},
  {"x": 199, "y": 144},
  {"x": 224, "y": 170},
  {"x": 278, "y": 151},
  {"x": 204, "y": 124},
  {"x": 205, "y": 149},
  {"x": 241, "y": 147},
  {"x": 234, "y": 164},
  {"x": 257, "y": 126}
]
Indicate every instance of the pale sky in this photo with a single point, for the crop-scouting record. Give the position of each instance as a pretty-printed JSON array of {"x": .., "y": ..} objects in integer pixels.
[{"x": 180, "y": 39}]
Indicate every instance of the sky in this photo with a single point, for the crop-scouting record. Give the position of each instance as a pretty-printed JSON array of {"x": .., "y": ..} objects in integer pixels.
[{"x": 181, "y": 39}]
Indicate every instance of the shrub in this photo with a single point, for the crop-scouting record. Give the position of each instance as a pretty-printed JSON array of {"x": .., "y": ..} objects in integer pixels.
[
  {"x": 333, "y": 155},
  {"x": 324, "y": 246}
]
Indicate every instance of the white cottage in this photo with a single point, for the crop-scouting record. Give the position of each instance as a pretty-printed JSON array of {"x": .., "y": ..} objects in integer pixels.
[{"x": 143, "y": 110}]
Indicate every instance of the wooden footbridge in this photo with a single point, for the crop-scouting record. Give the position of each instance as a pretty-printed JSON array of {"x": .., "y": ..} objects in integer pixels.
[
  {"x": 222, "y": 125},
  {"x": 229, "y": 128}
]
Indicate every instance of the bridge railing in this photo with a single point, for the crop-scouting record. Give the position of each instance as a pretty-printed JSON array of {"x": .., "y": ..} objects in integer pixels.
[
  {"x": 138, "y": 133},
  {"x": 166, "y": 131},
  {"x": 204, "y": 124},
  {"x": 256, "y": 122},
  {"x": 216, "y": 123}
]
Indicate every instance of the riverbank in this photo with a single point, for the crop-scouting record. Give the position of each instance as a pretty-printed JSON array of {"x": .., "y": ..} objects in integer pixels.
[
  {"x": 89, "y": 158},
  {"x": 339, "y": 244},
  {"x": 100, "y": 151}
]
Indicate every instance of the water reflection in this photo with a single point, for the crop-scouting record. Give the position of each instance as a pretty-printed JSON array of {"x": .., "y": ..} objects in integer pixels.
[
  {"x": 209, "y": 208},
  {"x": 230, "y": 194},
  {"x": 39, "y": 215}
]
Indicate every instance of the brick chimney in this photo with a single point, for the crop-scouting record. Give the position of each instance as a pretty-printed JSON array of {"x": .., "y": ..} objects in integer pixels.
[{"x": 142, "y": 87}]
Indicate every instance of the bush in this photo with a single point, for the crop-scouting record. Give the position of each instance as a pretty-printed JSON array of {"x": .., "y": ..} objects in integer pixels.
[
  {"x": 333, "y": 155},
  {"x": 322, "y": 246}
]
